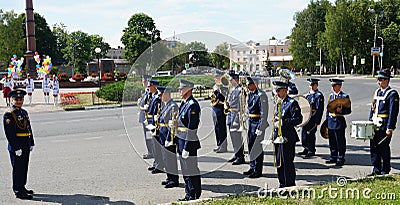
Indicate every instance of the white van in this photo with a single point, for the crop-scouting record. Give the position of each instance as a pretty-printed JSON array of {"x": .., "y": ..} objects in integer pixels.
[{"x": 163, "y": 73}]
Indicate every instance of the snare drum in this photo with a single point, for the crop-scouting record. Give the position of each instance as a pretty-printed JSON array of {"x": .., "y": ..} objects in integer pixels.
[{"x": 362, "y": 130}]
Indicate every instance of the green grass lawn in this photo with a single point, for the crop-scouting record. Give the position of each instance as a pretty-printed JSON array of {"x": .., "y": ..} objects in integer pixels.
[{"x": 383, "y": 190}]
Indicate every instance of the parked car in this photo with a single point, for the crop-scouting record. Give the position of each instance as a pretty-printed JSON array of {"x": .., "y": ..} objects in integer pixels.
[{"x": 163, "y": 73}]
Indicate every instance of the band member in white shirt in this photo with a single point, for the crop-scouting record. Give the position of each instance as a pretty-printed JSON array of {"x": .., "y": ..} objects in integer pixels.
[
  {"x": 55, "y": 86},
  {"x": 46, "y": 89},
  {"x": 30, "y": 87}
]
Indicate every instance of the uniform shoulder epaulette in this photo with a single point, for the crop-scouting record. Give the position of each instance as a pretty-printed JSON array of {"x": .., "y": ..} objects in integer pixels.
[
  {"x": 191, "y": 102},
  {"x": 291, "y": 100},
  {"x": 345, "y": 95},
  {"x": 11, "y": 110}
]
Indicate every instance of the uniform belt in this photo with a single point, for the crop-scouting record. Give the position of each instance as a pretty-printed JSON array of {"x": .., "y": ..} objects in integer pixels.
[
  {"x": 335, "y": 115},
  {"x": 233, "y": 109},
  {"x": 383, "y": 115},
  {"x": 254, "y": 115},
  {"x": 142, "y": 108},
  {"x": 149, "y": 116},
  {"x": 163, "y": 125},
  {"x": 182, "y": 129},
  {"x": 23, "y": 134}
]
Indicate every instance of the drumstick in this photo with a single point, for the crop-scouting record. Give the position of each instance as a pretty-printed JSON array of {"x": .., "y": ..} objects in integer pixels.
[
  {"x": 380, "y": 142},
  {"x": 309, "y": 131}
]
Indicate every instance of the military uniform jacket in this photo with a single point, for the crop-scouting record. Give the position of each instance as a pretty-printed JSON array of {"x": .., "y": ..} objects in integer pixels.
[
  {"x": 291, "y": 116},
  {"x": 155, "y": 105},
  {"x": 234, "y": 104},
  {"x": 17, "y": 128},
  {"x": 386, "y": 106},
  {"x": 167, "y": 112},
  {"x": 337, "y": 120},
  {"x": 292, "y": 89},
  {"x": 29, "y": 85},
  {"x": 316, "y": 100},
  {"x": 145, "y": 99},
  {"x": 188, "y": 123},
  {"x": 221, "y": 94},
  {"x": 258, "y": 105}
]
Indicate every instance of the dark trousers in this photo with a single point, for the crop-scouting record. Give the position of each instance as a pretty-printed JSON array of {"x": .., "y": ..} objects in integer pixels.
[
  {"x": 337, "y": 144},
  {"x": 237, "y": 143},
  {"x": 191, "y": 175},
  {"x": 148, "y": 141},
  {"x": 256, "y": 152},
  {"x": 171, "y": 163},
  {"x": 308, "y": 140},
  {"x": 220, "y": 128},
  {"x": 380, "y": 154},
  {"x": 19, "y": 169},
  {"x": 284, "y": 154},
  {"x": 157, "y": 153}
]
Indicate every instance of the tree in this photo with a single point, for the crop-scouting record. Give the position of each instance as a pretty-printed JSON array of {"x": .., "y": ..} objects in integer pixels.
[
  {"x": 306, "y": 35},
  {"x": 98, "y": 42},
  {"x": 61, "y": 35},
  {"x": 12, "y": 40},
  {"x": 199, "y": 51},
  {"x": 140, "y": 34},
  {"x": 78, "y": 51},
  {"x": 220, "y": 56}
]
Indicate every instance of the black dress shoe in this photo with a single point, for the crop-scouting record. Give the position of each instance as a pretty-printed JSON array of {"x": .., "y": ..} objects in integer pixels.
[
  {"x": 238, "y": 161},
  {"x": 150, "y": 168},
  {"x": 310, "y": 154},
  {"x": 255, "y": 175},
  {"x": 147, "y": 156},
  {"x": 232, "y": 159},
  {"x": 248, "y": 172},
  {"x": 23, "y": 195},
  {"x": 339, "y": 163},
  {"x": 171, "y": 184},
  {"x": 29, "y": 191},
  {"x": 164, "y": 182},
  {"x": 221, "y": 150},
  {"x": 184, "y": 199},
  {"x": 331, "y": 161},
  {"x": 157, "y": 171},
  {"x": 216, "y": 149},
  {"x": 304, "y": 152}
]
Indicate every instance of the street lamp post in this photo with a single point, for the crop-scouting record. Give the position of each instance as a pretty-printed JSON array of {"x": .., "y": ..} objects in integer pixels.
[
  {"x": 381, "y": 52},
  {"x": 373, "y": 56},
  {"x": 98, "y": 51}
]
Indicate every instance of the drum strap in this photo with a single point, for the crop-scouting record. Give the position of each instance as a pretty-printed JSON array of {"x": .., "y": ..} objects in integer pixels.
[{"x": 378, "y": 99}]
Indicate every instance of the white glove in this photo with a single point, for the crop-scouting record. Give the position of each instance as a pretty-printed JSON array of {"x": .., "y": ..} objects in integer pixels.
[
  {"x": 185, "y": 154},
  {"x": 31, "y": 148},
  {"x": 18, "y": 152},
  {"x": 215, "y": 87},
  {"x": 258, "y": 132},
  {"x": 276, "y": 124},
  {"x": 146, "y": 106},
  {"x": 210, "y": 95},
  {"x": 235, "y": 124},
  {"x": 150, "y": 127},
  {"x": 155, "y": 118},
  {"x": 171, "y": 124}
]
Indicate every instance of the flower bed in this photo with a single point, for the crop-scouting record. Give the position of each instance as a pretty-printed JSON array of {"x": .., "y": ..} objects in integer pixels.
[{"x": 70, "y": 98}]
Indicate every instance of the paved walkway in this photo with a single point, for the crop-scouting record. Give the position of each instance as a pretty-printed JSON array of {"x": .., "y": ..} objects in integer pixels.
[{"x": 38, "y": 104}]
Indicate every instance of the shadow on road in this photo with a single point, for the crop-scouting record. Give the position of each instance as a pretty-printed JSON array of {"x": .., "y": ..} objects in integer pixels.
[
  {"x": 230, "y": 189},
  {"x": 77, "y": 199},
  {"x": 221, "y": 174}
]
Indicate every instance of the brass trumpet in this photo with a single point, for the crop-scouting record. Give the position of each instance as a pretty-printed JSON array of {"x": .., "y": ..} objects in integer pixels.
[
  {"x": 157, "y": 121},
  {"x": 280, "y": 140},
  {"x": 173, "y": 129}
]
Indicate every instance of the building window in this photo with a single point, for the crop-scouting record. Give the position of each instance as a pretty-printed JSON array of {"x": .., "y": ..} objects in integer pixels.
[
  {"x": 238, "y": 52},
  {"x": 244, "y": 59},
  {"x": 251, "y": 59},
  {"x": 251, "y": 51},
  {"x": 244, "y": 52},
  {"x": 263, "y": 51},
  {"x": 272, "y": 50},
  {"x": 281, "y": 50},
  {"x": 258, "y": 58},
  {"x": 238, "y": 59},
  {"x": 257, "y": 51}
]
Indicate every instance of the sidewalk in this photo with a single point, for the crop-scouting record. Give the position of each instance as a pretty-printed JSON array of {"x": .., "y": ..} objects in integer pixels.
[{"x": 38, "y": 104}]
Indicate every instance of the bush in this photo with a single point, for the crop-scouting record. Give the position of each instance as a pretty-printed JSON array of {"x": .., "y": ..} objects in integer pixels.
[
  {"x": 107, "y": 76},
  {"x": 173, "y": 81},
  {"x": 122, "y": 76},
  {"x": 77, "y": 77},
  {"x": 93, "y": 75},
  {"x": 120, "y": 91},
  {"x": 62, "y": 77}
]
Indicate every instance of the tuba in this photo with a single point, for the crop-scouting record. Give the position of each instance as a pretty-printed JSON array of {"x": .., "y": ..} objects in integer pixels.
[
  {"x": 286, "y": 75},
  {"x": 225, "y": 80}
]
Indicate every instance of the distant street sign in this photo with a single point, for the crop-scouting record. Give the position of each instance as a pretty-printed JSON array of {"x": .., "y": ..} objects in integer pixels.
[
  {"x": 362, "y": 61},
  {"x": 317, "y": 63},
  {"x": 375, "y": 51}
]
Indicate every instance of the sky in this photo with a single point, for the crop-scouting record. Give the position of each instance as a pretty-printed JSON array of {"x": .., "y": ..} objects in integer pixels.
[{"x": 243, "y": 20}]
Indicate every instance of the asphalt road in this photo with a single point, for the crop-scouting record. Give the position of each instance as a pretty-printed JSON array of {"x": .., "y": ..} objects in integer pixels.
[{"x": 94, "y": 157}]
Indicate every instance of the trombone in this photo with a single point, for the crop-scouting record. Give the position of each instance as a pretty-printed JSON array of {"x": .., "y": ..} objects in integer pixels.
[{"x": 280, "y": 140}]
